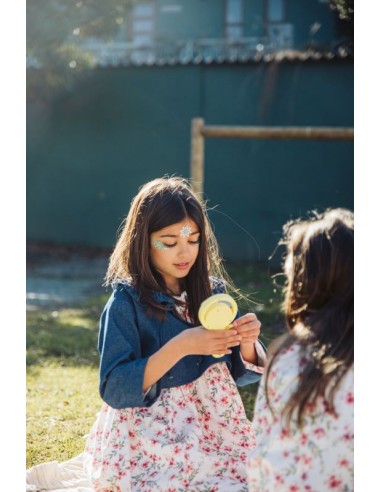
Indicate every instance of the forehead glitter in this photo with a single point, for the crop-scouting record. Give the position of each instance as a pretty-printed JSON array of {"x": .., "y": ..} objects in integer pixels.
[
  {"x": 159, "y": 245},
  {"x": 185, "y": 231}
]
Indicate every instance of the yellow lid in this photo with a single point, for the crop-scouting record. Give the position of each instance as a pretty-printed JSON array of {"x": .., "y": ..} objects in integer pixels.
[{"x": 217, "y": 312}]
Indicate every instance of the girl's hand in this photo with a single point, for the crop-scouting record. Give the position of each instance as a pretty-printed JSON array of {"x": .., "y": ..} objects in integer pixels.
[
  {"x": 200, "y": 341},
  {"x": 249, "y": 327}
]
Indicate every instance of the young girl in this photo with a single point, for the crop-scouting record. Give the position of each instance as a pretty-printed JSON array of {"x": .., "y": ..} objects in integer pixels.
[
  {"x": 173, "y": 419},
  {"x": 303, "y": 416}
]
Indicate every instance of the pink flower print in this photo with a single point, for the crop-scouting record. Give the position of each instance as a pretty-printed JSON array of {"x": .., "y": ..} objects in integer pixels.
[
  {"x": 344, "y": 463},
  {"x": 279, "y": 479},
  {"x": 303, "y": 439},
  {"x": 304, "y": 476},
  {"x": 224, "y": 400},
  {"x": 272, "y": 392},
  {"x": 189, "y": 420},
  {"x": 306, "y": 460},
  {"x": 177, "y": 450},
  {"x": 348, "y": 436},
  {"x": 293, "y": 488},
  {"x": 284, "y": 433},
  {"x": 319, "y": 432},
  {"x": 310, "y": 407},
  {"x": 350, "y": 398},
  {"x": 333, "y": 482}
]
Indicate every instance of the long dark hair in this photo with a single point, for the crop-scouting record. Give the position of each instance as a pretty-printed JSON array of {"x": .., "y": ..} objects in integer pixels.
[
  {"x": 318, "y": 306},
  {"x": 161, "y": 203}
]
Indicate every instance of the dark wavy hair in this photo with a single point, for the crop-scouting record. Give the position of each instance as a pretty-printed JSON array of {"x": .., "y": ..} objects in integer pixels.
[
  {"x": 318, "y": 306},
  {"x": 161, "y": 203}
]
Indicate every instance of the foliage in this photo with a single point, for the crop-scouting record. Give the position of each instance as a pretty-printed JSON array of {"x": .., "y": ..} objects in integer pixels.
[
  {"x": 54, "y": 31},
  {"x": 344, "y": 8}
]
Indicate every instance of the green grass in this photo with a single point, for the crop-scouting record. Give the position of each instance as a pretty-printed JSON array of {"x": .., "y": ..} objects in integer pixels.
[{"x": 62, "y": 366}]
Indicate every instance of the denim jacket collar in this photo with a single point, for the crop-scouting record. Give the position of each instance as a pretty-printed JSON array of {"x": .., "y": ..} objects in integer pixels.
[{"x": 159, "y": 297}]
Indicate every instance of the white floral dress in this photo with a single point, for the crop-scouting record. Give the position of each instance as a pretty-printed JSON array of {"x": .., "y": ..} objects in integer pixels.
[
  {"x": 195, "y": 437},
  {"x": 319, "y": 457}
]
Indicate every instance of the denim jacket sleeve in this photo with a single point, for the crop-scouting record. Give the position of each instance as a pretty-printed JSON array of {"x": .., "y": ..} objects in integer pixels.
[{"x": 122, "y": 365}]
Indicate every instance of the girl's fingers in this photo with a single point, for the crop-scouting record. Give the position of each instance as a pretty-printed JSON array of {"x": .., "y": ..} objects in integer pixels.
[
  {"x": 225, "y": 336},
  {"x": 247, "y": 319}
]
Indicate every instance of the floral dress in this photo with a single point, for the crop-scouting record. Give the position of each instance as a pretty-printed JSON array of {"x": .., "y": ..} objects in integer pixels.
[
  {"x": 195, "y": 437},
  {"x": 315, "y": 459}
]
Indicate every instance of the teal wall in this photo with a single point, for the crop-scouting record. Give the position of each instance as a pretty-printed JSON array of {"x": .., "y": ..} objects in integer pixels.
[{"x": 90, "y": 150}]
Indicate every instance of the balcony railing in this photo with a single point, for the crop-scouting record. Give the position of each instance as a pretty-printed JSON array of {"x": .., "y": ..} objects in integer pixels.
[{"x": 179, "y": 51}]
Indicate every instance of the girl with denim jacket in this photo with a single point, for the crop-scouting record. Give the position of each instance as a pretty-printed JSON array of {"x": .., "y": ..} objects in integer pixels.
[{"x": 172, "y": 418}]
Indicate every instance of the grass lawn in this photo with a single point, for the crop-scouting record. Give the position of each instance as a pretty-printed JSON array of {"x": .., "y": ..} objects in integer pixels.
[{"x": 62, "y": 366}]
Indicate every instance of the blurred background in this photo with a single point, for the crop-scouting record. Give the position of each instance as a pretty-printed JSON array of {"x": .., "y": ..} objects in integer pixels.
[{"x": 111, "y": 89}]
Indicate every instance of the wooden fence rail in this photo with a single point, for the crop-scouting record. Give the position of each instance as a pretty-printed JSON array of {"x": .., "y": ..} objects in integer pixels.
[{"x": 199, "y": 131}]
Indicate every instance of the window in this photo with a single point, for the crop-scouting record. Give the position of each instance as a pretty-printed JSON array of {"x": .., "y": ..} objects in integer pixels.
[
  {"x": 234, "y": 19},
  {"x": 143, "y": 23},
  {"x": 275, "y": 10}
]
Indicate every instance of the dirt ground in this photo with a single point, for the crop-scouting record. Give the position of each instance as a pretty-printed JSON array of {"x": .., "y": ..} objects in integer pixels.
[{"x": 63, "y": 276}]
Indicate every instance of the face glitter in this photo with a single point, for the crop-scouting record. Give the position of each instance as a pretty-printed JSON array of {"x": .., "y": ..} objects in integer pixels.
[
  {"x": 159, "y": 245},
  {"x": 185, "y": 231}
]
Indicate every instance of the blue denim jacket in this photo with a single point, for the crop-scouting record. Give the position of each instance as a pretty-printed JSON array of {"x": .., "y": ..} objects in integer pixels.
[{"x": 128, "y": 337}]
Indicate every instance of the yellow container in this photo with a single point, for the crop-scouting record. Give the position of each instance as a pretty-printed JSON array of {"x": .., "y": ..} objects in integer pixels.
[{"x": 217, "y": 313}]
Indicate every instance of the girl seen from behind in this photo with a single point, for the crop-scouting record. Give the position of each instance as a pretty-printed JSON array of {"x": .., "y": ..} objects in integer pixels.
[{"x": 303, "y": 418}]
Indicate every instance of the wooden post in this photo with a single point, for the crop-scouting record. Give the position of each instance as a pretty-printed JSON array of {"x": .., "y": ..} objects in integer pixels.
[{"x": 197, "y": 156}]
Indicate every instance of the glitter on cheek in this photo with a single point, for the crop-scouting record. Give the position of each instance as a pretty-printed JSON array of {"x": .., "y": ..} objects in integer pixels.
[
  {"x": 159, "y": 245},
  {"x": 185, "y": 231}
]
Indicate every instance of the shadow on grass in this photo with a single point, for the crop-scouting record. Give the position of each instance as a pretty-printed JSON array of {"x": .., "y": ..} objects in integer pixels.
[{"x": 68, "y": 337}]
